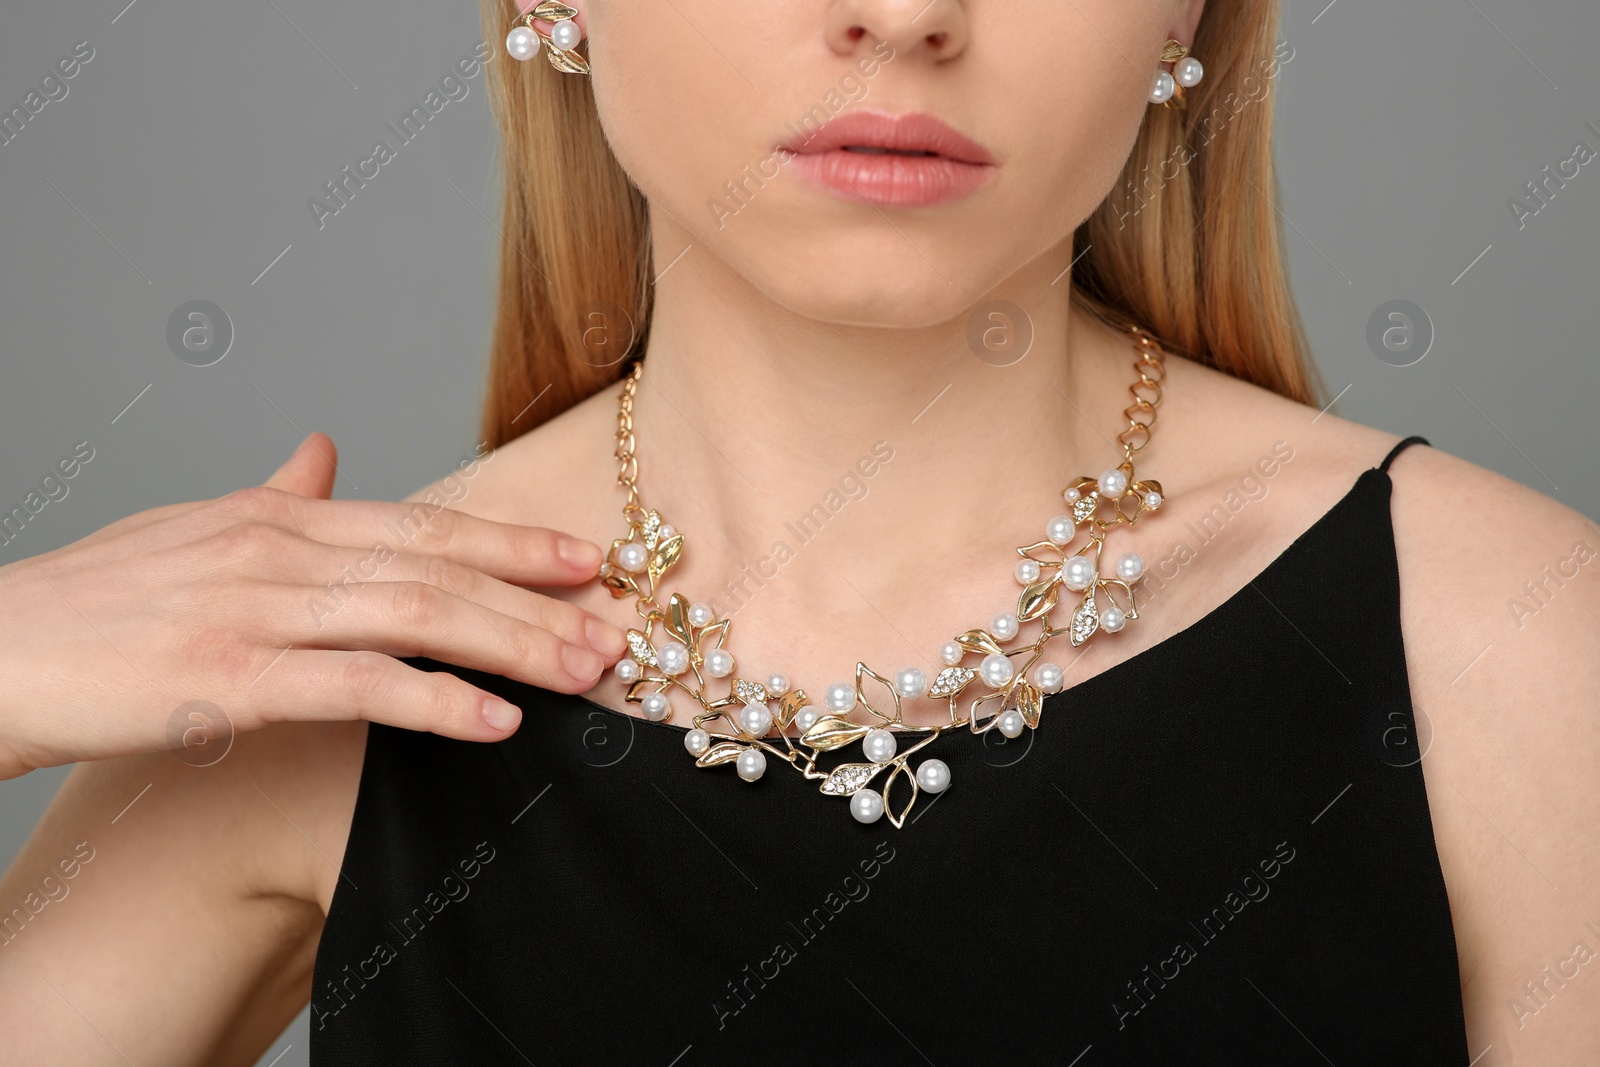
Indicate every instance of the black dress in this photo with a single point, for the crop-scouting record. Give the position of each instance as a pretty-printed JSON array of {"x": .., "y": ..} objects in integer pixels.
[{"x": 1216, "y": 852}]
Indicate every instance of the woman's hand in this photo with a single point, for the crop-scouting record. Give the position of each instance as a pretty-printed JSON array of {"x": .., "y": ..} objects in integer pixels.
[{"x": 187, "y": 622}]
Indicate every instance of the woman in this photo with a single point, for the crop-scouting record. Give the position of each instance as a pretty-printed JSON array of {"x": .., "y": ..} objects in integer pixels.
[{"x": 1283, "y": 783}]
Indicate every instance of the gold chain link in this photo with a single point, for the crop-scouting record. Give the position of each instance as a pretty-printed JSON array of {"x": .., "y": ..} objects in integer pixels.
[
  {"x": 1146, "y": 393},
  {"x": 627, "y": 461}
]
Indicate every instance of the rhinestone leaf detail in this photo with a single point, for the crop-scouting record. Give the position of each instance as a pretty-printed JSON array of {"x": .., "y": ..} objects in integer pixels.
[
  {"x": 849, "y": 777},
  {"x": 640, "y": 647},
  {"x": 749, "y": 692},
  {"x": 1085, "y": 621},
  {"x": 652, "y": 529},
  {"x": 1084, "y": 506},
  {"x": 950, "y": 681}
]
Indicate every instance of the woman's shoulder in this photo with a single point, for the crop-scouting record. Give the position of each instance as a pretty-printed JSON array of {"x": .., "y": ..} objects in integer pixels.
[
  {"x": 1500, "y": 616},
  {"x": 1482, "y": 557},
  {"x": 1475, "y": 547},
  {"x": 545, "y": 477}
]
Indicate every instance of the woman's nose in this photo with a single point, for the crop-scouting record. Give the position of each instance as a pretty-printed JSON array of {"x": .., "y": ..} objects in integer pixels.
[{"x": 922, "y": 29}]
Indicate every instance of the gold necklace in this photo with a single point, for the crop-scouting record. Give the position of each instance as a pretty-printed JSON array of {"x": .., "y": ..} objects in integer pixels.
[{"x": 1007, "y": 698}]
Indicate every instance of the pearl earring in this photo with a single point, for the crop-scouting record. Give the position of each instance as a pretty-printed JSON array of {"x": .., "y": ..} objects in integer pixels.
[
  {"x": 1186, "y": 74},
  {"x": 560, "y": 44}
]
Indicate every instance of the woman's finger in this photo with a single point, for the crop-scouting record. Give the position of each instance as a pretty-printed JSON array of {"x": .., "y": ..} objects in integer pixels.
[
  {"x": 318, "y": 684},
  {"x": 419, "y": 619},
  {"x": 340, "y": 575},
  {"x": 524, "y": 555}
]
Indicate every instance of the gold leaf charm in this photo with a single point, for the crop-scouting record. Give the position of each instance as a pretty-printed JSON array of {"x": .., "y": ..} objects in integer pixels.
[
  {"x": 637, "y": 689},
  {"x": 725, "y": 752},
  {"x": 1132, "y": 608},
  {"x": 1028, "y": 702},
  {"x": 863, "y": 672},
  {"x": 1084, "y": 506},
  {"x": 553, "y": 11},
  {"x": 1085, "y": 621},
  {"x": 789, "y": 706},
  {"x": 665, "y": 555},
  {"x": 1052, "y": 552},
  {"x": 717, "y": 631},
  {"x": 639, "y": 647},
  {"x": 564, "y": 61},
  {"x": 1037, "y": 598},
  {"x": 620, "y": 584},
  {"x": 831, "y": 732},
  {"x": 678, "y": 618},
  {"x": 978, "y": 641},
  {"x": 849, "y": 777},
  {"x": 950, "y": 681},
  {"x": 899, "y": 818}
]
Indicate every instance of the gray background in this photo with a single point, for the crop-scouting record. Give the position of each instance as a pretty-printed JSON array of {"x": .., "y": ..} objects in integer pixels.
[{"x": 179, "y": 165}]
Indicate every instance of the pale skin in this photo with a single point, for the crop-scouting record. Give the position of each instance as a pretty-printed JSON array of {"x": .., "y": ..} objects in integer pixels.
[{"x": 785, "y": 344}]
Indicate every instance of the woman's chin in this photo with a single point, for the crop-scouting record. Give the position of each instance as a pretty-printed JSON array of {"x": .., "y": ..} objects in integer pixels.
[{"x": 861, "y": 280}]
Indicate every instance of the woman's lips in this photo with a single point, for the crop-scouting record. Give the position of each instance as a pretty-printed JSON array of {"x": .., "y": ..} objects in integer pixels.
[{"x": 908, "y": 160}]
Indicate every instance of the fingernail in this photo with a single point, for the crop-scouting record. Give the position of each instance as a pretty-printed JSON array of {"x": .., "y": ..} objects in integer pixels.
[
  {"x": 500, "y": 715},
  {"x": 604, "y": 638},
  {"x": 579, "y": 553},
  {"x": 580, "y": 662}
]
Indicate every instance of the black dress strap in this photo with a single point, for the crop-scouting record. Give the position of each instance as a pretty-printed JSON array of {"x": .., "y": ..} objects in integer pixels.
[{"x": 1401, "y": 447}]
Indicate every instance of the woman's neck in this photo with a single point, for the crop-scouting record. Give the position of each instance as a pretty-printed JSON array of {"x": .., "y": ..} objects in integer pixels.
[{"x": 762, "y": 434}]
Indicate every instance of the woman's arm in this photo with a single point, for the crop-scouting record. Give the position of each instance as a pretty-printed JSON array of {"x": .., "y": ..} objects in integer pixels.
[{"x": 169, "y": 913}]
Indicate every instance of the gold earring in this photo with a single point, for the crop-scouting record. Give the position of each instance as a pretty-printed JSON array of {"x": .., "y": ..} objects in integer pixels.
[
  {"x": 560, "y": 44},
  {"x": 1169, "y": 88}
]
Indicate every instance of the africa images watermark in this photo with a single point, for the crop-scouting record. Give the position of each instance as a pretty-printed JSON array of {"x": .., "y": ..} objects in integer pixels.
[
  {"x": 850, "y": 90},
  {"x": 1542, "y": 191},
  {"x": 452, "y": 889},
  {"x": 1539, "y": 592},
  {"x": 852, "y": 486},
  {"x": 1210, "y": 928},
  {"x": 342, "y": 190},
  {"x": 855, "y": 889},
  {"x": 51, "y": 488},
  {"x": 52, "y": 889},
  {"x": 1539, "y": 989},
  {"x": 1252, "y": 487},
  {"x": 52, "y": 89}
]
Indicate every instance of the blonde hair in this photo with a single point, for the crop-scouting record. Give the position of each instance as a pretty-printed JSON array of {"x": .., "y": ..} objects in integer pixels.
[{"x": 1195, "y": 258}]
